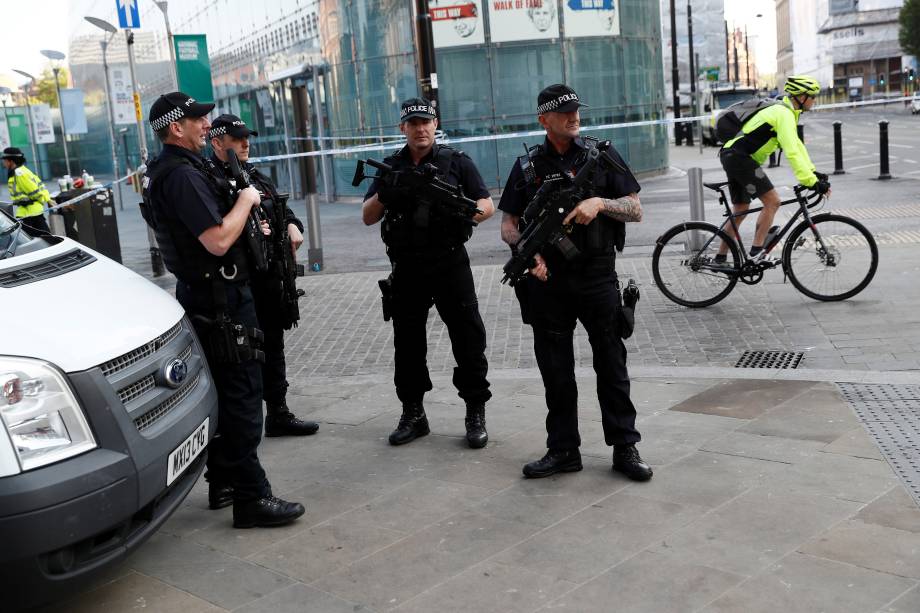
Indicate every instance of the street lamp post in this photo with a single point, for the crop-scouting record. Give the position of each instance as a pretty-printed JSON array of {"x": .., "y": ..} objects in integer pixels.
[
  {"x": 675, "y": 76},
  {"x": 28, "y": 90},
  {"x": 162, "y": 5},
  {"x": 428, "y": 74},
  {"x": 108, "y": 95},
  {"x": 53, "y": 56},
  {"x": 156, "y": 260}
]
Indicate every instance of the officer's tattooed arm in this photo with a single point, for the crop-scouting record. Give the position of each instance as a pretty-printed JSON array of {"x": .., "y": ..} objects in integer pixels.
[
  {"x": 510, "y": 232},
  {"x": 627, "y": 208}
]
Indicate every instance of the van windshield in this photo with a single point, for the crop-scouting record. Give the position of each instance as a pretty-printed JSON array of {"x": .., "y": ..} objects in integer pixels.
[
  {"x": 12, "y": 236},
  {"x": 727, "y": 99}
]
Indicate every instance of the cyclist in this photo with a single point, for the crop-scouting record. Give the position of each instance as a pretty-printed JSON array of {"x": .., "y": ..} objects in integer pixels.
[{"x": 771, "y": 128}]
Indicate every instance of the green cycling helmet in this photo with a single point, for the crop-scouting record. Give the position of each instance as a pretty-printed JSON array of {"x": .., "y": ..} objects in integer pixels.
[{"x": 797, "y": 85}]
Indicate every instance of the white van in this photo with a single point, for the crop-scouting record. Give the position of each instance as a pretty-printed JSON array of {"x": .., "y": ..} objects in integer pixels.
[
  {"x": 106, "y": 408},
  {"x": 915, "y": 103},
  {"x": 716, "y": 98}
]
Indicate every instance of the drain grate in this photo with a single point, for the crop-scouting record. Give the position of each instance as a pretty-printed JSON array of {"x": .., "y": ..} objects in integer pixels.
[
  {"x": 891, "y": 415},
  {"x": 770, "y": 359}
]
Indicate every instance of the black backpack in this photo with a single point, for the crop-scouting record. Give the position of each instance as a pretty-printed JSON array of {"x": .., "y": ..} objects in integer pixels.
[{"x": 731, "y": 120}]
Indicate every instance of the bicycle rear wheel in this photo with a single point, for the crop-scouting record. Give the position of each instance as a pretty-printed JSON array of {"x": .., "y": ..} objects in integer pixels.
[
  {"x": 833, "y": 258},
  {"x": 684, "y": 264}
]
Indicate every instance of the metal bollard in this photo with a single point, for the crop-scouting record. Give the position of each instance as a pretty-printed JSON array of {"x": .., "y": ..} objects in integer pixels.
[
  {"x": 800, "y": 129},
  {"x": 697, "y": 211},
  {"x": 838, "y": 149},
  {"x": 315, "y": 239},
  {"x": 884, "y": 174}
]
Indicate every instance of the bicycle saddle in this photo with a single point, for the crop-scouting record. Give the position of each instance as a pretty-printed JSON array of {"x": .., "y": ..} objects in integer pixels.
[{"x": 716, "y": 186}]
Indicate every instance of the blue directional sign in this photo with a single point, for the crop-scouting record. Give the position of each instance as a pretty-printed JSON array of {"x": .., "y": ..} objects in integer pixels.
[{"x": 128, "y": 14}]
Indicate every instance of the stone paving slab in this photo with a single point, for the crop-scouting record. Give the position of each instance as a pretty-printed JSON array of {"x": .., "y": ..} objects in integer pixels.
[{"x": 738, "y": 509}]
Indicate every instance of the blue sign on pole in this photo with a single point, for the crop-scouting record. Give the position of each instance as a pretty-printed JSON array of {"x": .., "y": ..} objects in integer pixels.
[{"x": 128, "y": 14}]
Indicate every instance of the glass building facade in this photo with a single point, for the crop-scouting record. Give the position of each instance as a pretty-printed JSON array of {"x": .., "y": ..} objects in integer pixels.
[{"x": 331, "y": 74}]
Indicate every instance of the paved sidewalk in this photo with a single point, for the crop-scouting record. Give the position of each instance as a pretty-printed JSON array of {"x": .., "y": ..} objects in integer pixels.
[{"x": 768, "y": 496}]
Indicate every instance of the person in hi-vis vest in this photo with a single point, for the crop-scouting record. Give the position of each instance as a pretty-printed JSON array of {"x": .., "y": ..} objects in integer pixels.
[{"x": 27, "y": 192}]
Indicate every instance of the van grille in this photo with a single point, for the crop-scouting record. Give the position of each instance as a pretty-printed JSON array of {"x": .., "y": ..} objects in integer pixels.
[
  {"x": 139, "y": 388},
  {"x": 144, "y": 351},
  {"x": 157, "y": 413},
  {"x": 52, "y": 267}
]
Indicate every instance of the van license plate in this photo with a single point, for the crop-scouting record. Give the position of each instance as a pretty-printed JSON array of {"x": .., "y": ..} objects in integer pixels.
[{"x": 185, "y": 453}]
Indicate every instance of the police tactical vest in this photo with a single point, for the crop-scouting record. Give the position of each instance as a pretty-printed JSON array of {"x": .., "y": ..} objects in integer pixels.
[
  {"x": 183, "y": 254},
  {"x": 604, "y": 236},
  {"x": 413, "y": 226}
]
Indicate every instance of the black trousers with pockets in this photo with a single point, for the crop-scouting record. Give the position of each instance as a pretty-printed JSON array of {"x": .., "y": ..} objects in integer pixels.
[
  {"x": 555, "y": 307},
  {"x": 445, "y": 282}
]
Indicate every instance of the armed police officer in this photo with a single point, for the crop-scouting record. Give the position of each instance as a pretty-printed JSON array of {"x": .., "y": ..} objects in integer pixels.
[
  {"x": 198, "y": 228},
  {"x": 563, "y": 289},
  {"x": 425, "y": 244},
  {"x": 276, "y": 310}
]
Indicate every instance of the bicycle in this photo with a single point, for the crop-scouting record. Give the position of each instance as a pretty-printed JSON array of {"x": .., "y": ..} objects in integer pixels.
[{"x": 826, "y": 257}]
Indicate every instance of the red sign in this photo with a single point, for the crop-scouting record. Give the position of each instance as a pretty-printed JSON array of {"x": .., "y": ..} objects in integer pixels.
[{"x": 458, "y": 11}]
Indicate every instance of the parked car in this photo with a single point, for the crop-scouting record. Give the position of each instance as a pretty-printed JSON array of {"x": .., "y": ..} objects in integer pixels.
[
  {"x": 106, "y": 409},
  {"x": 915, "y": 103}
]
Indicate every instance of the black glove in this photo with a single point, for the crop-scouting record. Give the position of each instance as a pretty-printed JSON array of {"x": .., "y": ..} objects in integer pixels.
[
  {"x": 821, "y": 176},
  {"x": 822, "y": 186},
  {"x": 390, "y": 192}
]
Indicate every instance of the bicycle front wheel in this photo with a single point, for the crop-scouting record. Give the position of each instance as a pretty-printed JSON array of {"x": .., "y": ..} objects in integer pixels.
[
  {"x": 685, "y": 268},
  {"x": 833, "y": 258}
]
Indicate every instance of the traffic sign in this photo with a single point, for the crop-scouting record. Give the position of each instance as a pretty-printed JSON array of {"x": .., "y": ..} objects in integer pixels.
[{"x": 128, "y": 14}]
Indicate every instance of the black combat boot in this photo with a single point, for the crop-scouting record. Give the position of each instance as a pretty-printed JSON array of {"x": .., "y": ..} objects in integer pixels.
[
  {"x": 279, "y": 421},
  {"x": 626, "y": 460},
  {"x": 265, "y": 512},
  {"x": 555, "y": 461},
  {"x": 220, "y": 495},
  {"x": 476, "y": 435},
  {"x": 412, "y": 424}
]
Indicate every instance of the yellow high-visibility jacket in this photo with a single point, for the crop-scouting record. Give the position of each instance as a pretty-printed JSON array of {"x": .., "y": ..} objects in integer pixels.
[
  {"x": 28, "y": 193},
  {"x": 770, "y": 129}
]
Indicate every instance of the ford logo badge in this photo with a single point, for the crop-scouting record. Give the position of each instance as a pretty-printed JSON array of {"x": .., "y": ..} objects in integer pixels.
[{"x": 175, "y": 372}]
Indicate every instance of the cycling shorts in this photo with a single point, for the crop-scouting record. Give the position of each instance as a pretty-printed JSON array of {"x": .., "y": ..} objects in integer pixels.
[{"x": 747, "y": 180}]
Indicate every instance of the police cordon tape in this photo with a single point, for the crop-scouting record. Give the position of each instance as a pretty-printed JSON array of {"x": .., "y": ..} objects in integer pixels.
[
  {"x": 94, "y": 191},
  {"x": 609, "y": 126}
]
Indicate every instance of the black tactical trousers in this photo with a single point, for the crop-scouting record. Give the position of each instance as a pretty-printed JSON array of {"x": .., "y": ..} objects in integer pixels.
[
  {"x": 446, "y": 282},
  {"x": 267, "y": 293},
  {"x": 232, "y": 456},
  {"x": 555, "y": 307},
  {"x": 36, "y": 225}
]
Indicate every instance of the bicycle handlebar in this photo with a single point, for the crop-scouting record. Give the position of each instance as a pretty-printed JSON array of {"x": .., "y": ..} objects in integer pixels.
[{"x": 811, "y": 200}]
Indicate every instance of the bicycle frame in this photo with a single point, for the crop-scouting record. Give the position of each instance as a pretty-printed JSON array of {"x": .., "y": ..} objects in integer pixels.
[{"x": 802, "y": 200}]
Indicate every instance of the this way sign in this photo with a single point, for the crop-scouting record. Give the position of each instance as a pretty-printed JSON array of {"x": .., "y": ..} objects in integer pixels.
[{"x": 128, "y": 14}]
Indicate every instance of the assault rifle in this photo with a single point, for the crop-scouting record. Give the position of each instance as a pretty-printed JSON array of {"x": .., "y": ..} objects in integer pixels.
[
  {"x": 423, "y": 183},
  {"x": 549, "y": 207},
  {"x": 258, "y": 245},
  {"x": 283, "y": 260}
]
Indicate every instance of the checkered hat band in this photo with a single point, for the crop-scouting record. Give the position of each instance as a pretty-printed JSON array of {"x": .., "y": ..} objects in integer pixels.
[
  {"x": 417, "y": 109},
  {"x": 551, "y": 105},
  {"x": 218, "y": 131},
  {"x": 161, "y": 122}
]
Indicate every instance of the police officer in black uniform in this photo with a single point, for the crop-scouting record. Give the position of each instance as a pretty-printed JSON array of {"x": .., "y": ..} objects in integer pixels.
[
  {"x": 229, "y": 132},
  {"x": 431, "y": 267},
  {"x": 558, "y": 292},
  {"x": 198, "y": 228}
]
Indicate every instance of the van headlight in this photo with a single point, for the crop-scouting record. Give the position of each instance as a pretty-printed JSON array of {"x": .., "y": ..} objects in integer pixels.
[{"x": 40, "y": 413}]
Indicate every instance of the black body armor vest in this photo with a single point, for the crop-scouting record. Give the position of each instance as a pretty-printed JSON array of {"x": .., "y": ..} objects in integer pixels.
[
  {"x": 415, "y": 226},
  {"x": 604, "y": 236},
  {"x": 183, "y": 254}
]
